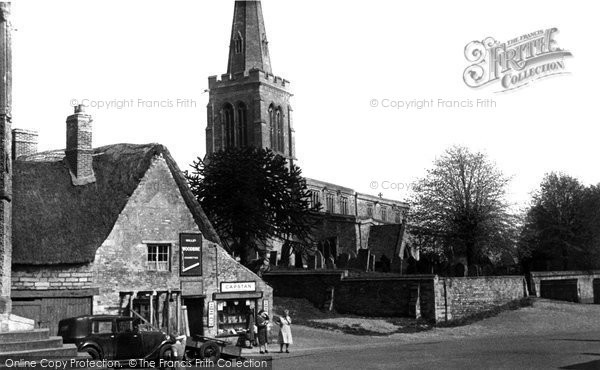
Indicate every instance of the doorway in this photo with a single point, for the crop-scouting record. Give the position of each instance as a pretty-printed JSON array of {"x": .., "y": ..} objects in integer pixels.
[{"x": 195, "y": 310}]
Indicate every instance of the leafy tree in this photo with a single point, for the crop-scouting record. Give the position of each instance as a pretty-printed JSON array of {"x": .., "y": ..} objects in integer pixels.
[
  {"x": 562, "y": 225},
  {"x": 459, "y": 209},
  {"x": 251, "y": 196}
]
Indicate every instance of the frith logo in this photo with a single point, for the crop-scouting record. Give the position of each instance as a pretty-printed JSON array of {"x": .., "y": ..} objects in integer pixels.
[{"x": 514, "y": 63}]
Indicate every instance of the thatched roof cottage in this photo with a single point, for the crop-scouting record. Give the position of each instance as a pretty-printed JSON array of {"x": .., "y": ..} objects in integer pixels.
[{"x": 101, "y": 231}]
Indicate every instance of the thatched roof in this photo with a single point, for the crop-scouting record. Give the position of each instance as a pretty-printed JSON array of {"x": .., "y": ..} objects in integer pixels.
[
  {"x": 55, "y": 222},
  {"x": 386, "y": 240}
]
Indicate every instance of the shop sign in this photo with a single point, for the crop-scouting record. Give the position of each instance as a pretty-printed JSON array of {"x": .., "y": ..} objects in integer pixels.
[
  {"x": 240, "y": 286},
  {"x": 190, "y": 246},
  {"x": 211, "y": 314}
]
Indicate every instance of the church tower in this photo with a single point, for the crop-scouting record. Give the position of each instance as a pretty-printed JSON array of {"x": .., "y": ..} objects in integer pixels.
[{"x": 249, "y": 106}]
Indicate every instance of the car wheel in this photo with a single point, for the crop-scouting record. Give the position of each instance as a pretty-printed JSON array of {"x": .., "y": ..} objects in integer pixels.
[
  {"x": 93, "y": 352},
  {"x": 192, "y": 354},
  {"x": 210, "y": 351},
  {"x": 166, "y": 354}
]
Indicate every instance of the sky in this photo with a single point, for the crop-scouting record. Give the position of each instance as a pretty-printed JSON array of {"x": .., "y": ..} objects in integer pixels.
[{"x": 348, "y": 62}]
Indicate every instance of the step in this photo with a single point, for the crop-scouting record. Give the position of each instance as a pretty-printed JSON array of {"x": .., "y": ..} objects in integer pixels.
[
  {"x": 52, "y": 342},
  {"x": 24, "y": 336},
  {"x": 66, "y": 350}
]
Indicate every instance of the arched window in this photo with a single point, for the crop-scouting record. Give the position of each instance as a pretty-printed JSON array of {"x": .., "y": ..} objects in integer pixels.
[
  {"x": 279, "y": 139},
  {"x": 229, "y": 126},
  {"x": 242, "y": 126},
  {"x": 238, "y": 43},
  {"x": 272, "y": 128}
]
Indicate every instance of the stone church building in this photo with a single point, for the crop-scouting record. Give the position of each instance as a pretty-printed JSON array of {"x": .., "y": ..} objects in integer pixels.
[{"x": 250, "y": 106}]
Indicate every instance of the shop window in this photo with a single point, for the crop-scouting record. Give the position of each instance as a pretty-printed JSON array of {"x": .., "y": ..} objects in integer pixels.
[
  {"x": 158, "y": 257},
  {"x": 235, "y": 316}
]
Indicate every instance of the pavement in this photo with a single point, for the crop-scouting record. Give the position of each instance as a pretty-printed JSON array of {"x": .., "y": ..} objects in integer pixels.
[{"x": 547, "y": 335}]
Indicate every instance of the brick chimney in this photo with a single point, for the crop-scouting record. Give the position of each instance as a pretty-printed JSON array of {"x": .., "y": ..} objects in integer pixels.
[
  {"x": 24, "y": 142},
  {"x": 79, "y": 147}
]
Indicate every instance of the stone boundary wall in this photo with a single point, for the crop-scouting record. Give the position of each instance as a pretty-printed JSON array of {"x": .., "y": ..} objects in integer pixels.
[
  {"x": 387, "y": 296},
  {"x": 460, "y": 297},
  {"x": 313, "y": 285},
  {"x": 420, "y": 296},
  {"x": 585, "y": 282}
]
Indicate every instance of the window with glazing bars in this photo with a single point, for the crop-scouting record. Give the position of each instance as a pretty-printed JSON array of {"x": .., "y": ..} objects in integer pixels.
[{"x": 158, "y": 257}]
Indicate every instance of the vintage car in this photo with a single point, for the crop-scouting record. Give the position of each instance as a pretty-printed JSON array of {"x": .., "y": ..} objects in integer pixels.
[{"x": 117, "y": 338}]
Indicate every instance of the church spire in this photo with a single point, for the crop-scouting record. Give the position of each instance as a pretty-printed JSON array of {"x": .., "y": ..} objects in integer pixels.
[{"x": 248, "y": 48}]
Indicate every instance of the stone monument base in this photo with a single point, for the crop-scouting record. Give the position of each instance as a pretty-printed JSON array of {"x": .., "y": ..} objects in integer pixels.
[{"x": 12, "y": 322}]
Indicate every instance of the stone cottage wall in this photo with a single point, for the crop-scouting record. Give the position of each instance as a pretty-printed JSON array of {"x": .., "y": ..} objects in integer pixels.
[
  {"x": 155, "y": 213},
  {"x": 61, "y": 277}
]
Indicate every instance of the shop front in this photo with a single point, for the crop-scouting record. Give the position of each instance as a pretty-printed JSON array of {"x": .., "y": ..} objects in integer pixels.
[{"x": 234, "y": 309}]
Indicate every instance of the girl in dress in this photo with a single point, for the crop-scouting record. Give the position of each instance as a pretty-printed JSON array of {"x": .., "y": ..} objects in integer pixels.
[
  {"x": 262, "y": 322},
  {"x": 285, "y": 332}
]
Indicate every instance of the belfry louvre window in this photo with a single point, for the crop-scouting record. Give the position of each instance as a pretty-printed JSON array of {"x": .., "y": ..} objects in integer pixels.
[
  {"x": 158, "y": 257},
  {"x": 238, "y": 43},
  {"x": 229, "y": 126}
]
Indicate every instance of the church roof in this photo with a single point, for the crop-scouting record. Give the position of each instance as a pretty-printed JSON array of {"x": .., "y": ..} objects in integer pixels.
[
  {"x": 248, "y": 48},
  {"x": 55, "y": 222},
  {"x": 386, "y": 240}
]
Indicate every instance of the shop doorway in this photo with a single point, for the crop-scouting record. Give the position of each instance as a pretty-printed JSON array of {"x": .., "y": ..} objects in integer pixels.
[{"x": 195, "y": 310}]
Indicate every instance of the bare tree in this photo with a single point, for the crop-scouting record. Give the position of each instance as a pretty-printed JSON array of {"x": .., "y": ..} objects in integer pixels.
[{"x": 459, "y": 208}]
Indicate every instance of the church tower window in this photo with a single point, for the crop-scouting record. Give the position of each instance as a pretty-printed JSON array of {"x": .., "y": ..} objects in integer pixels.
[
  {"x": 272, "y": 127},
  {"x": 238, "y": 43},
  {"x": 279, "y": 138},
  {"x": 229, "y": 126},
  {"x": 242, "y": 114}
]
